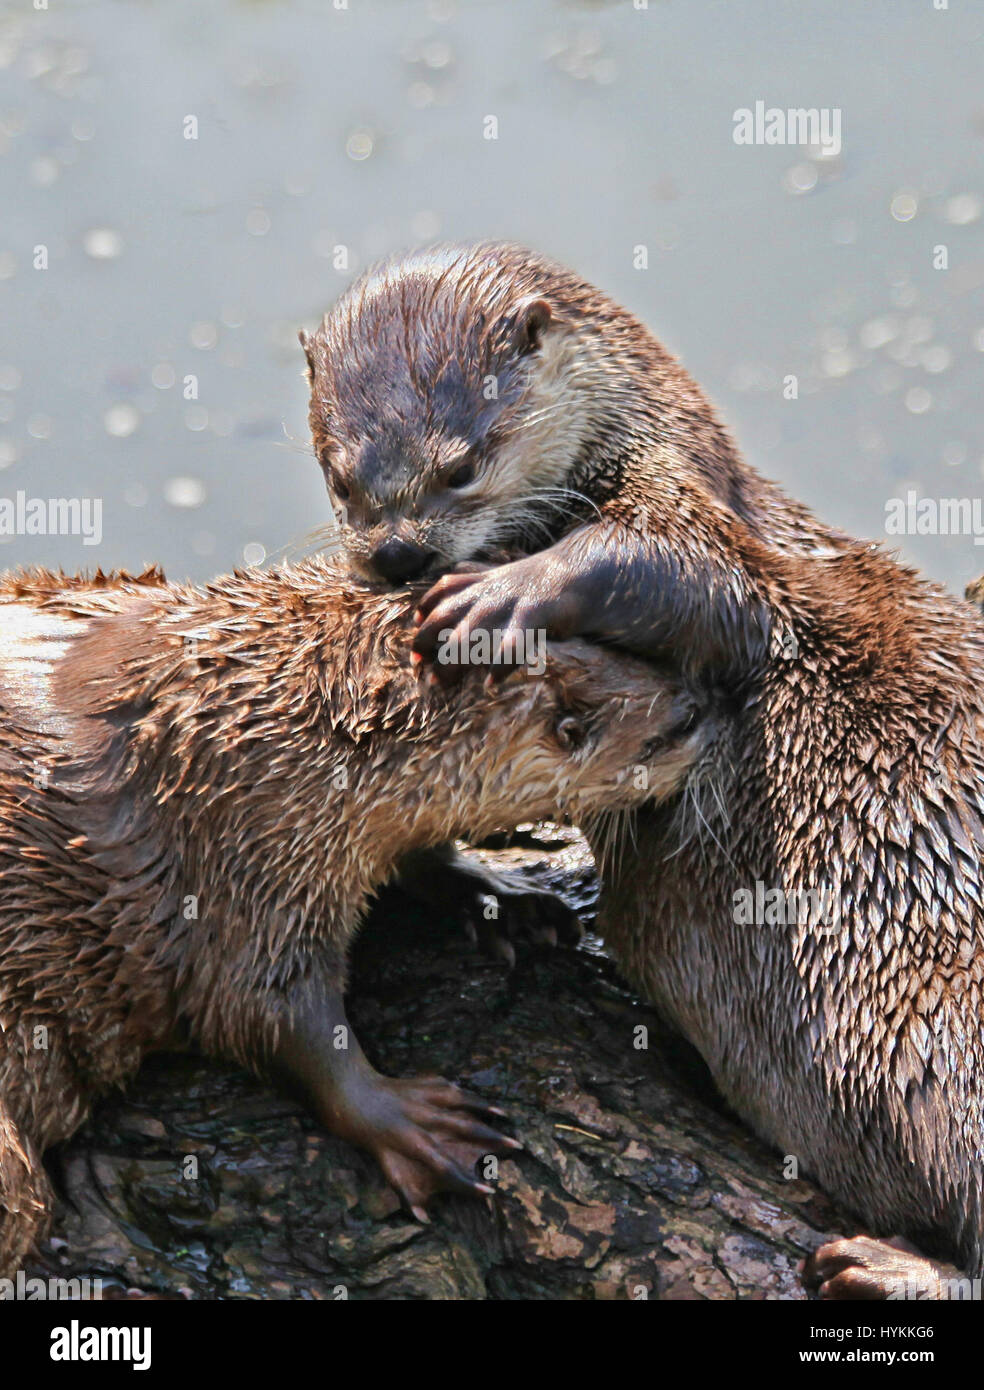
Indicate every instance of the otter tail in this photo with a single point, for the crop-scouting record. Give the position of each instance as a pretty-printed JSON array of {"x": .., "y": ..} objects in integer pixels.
[{"x": 25, "y": 1196}]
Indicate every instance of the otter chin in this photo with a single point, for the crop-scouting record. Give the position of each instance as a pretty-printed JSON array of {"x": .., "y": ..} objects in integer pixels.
[{"x": 200, "y": 791}]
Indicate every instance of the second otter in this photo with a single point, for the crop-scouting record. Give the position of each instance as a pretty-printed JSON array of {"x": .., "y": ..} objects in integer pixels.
[
  {"x": 515, "y": 405},
  {"x": 199, "y": 792}
]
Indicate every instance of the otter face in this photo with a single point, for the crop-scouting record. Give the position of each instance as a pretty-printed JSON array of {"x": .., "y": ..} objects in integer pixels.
[
  {"x": 597, "y": 732},
  {"x": 626, "y": 734},
  {"x": 448, "y": 410}
]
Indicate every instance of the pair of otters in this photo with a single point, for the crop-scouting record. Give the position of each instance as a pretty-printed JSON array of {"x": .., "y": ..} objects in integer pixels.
[{"x": 200, "y": 790}]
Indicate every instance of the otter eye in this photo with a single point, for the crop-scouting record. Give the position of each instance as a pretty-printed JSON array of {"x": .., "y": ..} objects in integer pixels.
[
  {"x": 338, "y": 485},
  {"x": 570, "y": 733},
  {"x": 461, "y": 476}
]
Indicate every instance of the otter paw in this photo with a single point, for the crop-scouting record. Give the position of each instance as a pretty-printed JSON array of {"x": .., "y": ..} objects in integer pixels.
[
  {"x": 433, "y": 1137},
  {"x": 509, "y": 911},
  {"x": 497, "y": 618},
  {"x": 864, "y": 1268},
  {"x": 500, "y": 908}
]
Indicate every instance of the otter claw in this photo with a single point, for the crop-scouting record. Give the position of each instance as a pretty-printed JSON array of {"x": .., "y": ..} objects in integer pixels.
[{"x": 432, "y": 1140}]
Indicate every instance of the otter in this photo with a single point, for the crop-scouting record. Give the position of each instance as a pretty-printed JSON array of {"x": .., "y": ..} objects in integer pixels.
[
  {"x": 521, "y": 417},
  {"x": 200, "y": 790}
]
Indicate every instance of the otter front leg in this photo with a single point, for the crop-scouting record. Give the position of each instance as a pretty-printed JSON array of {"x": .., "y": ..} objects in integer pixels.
[
  {"x": 427, "y": 1134},
  {"x": 610, "y": 583}
]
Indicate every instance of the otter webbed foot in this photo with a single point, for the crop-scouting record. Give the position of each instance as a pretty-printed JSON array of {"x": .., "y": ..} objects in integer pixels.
[
  {"x": 500, "y": 909},
  {"x": 427, "y": 1134},
  {"x": 866, "y": 1269}
]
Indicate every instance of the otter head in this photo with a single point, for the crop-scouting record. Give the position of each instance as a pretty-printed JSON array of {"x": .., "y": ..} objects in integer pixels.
[
  {"x": 448, "y": 409},
  {"x": 598, "y": 731}
]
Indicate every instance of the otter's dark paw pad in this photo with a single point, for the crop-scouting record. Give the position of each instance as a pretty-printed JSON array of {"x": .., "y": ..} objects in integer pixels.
[
  {"x": 434, "y": 1138},
  {"x": 863, "y": 1268}
]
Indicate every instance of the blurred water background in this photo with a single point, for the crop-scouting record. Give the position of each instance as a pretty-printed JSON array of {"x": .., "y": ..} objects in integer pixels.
[{"x": 363, "y": 127}]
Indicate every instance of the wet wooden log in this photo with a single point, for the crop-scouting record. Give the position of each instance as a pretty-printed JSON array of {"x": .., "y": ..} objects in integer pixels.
[{"x": 201, "y": 1182}]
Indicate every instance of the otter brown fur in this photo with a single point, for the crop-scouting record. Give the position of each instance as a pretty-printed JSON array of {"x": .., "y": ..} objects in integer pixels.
[
  {"x": 849, "y": 762},
  {"x": 199, "y": 792}
]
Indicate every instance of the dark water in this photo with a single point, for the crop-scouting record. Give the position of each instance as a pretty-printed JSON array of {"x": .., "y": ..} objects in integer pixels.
[{"x": 363, "y": 127}]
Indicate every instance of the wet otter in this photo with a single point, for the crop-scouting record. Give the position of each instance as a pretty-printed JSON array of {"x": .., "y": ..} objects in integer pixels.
[
  {"x": 199, "y": 792},
  {"x": 517, "y": 406}
]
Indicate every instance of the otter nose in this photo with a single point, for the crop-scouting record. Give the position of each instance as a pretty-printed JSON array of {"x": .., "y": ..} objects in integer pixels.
[{"x": 398, "y": 561}]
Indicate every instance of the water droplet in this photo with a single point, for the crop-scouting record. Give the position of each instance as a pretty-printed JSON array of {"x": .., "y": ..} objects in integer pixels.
[
  {"x": 918, "y": 400},
  {"x": 10, "y": 378},
  {"x": 904, "y": 206},
  {"x": 184, "y": 492},
  {"x": 936, "y": 358},
  {"x": 8, "y": 453},
  {"x": 40, "y": 426},
  {"x": 196, "y": 418},
  {"x": 7, "y": 265},
  {"x": 203, "y": 335},
  {"x": 837, "y": 362},
  {"x": 801, "y": 178},
  {"x": 44, "y": 171},
  {"x": 121, "y": 420},
  {"x": 955, "y": 453},
  {"x": 163, "y": 376},
  {"x": 437, "y": 53},
  {"x": 102, "y": 243},
  {"x": 877, "y": 332},
  {"x": 962, "y": 209},
  {"x": 421, "y": 95},
  {"x": 258, "y": 222},
  {"x": 254, "y": 553},
  {"x": 359, "y": 145}
]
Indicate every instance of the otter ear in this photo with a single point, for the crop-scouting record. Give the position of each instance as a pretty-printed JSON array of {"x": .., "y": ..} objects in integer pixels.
[
  {"x": 530, "y": 321},
  {"x": 306, "y": 341}
]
